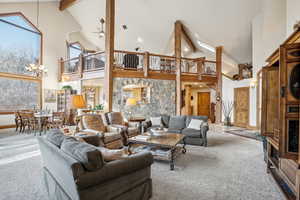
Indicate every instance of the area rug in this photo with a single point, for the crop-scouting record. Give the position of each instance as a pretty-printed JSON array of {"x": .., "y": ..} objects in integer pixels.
[
  {"x": 252, "y": 134},
  {"x": 230, "y": 168}
]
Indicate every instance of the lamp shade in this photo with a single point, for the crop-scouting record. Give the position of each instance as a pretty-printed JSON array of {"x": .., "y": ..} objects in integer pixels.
[
  {"x": 131, "y": 102},
  {"x": 77, "y": 102}
]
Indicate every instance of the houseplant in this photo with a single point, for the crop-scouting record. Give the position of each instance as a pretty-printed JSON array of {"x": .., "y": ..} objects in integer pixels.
[{"x": 227, "y": 107}]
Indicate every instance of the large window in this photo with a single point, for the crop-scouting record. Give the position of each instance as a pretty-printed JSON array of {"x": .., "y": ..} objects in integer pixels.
[
  {"x": 20, "y": 45},
  {"x": 74, "y": 50}
]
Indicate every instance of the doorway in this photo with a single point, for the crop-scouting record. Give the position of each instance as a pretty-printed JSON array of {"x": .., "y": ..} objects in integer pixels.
[
  {"x": 204, "y": 104},
  {"x": 241, "y": 107}
]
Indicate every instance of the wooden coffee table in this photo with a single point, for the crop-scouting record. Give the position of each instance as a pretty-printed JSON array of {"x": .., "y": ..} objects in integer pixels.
[{"x": 163, "y": 147}]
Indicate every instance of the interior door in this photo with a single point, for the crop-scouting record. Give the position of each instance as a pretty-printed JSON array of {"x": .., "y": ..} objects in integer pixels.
[
  {"x": 270, "y": 103},
  {"x": 241, "y": 107},
  {"x": 204, "y": 104}
]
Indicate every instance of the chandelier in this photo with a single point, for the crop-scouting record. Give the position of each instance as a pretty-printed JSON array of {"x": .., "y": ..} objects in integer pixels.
[{"x": 36, "y": 68}]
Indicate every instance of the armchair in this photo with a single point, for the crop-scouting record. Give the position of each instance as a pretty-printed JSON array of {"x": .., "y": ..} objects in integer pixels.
[
  {"x": 110, "y": 137},
  {"x": 116, "y": 119}
]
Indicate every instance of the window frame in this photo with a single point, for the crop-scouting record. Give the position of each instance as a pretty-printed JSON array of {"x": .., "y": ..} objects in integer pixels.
[
  {"x": 69, "y": 44},
  {"x": 22, "y": 76}
]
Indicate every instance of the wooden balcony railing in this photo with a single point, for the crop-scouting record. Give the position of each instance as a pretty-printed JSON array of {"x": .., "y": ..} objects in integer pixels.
[
  {"x": 92, "y": 62},
  {"x": 144, "y": 63}
]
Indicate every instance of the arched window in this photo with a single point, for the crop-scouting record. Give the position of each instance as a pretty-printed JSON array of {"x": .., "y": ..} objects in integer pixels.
[{"x": 20, "y": 45}]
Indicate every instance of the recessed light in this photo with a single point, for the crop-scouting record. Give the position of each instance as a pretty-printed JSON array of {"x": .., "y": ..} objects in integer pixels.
[{"x": 186, "y": 49}]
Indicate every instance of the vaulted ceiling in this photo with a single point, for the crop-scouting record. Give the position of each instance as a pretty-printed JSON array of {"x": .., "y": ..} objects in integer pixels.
[
  {"x": 226, "y": 23},
  {"x": 150, "y": 24}
]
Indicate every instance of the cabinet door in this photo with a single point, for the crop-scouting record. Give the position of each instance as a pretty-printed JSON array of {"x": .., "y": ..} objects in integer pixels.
[
  {"x": 270, "y": 103},
  {"x": 289, "y": 100}
]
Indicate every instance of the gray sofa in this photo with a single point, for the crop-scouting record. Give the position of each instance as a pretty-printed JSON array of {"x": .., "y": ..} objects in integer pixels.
[
  {"x": 76, "y": 171},
  {"x": 179, "y": 124}
]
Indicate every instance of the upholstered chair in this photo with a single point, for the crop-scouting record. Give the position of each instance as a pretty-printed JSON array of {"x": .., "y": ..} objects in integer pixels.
[
  {"x": 116, "y": 119},
  {"x": 110, "y": 137}
]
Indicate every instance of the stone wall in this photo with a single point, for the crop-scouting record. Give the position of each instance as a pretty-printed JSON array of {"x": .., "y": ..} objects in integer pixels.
[{"x": 162, "y": 97}]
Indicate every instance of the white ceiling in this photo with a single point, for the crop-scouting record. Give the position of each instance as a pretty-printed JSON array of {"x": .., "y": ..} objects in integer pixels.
[{"x": 216, "y": 22}]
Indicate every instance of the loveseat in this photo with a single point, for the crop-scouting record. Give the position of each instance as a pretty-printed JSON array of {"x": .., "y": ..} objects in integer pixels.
[
  {"x": 180, "y": 124},
  {"x": 74, "y": 170}
]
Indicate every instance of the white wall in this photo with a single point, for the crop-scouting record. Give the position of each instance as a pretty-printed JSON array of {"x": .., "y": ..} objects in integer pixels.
[
  {"x": 293, "y": 15},
  {"x": 55, "y": 26}
]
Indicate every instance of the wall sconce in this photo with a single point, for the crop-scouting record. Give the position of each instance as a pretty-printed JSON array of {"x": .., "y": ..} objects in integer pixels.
[{"x": 253, "y": 83}]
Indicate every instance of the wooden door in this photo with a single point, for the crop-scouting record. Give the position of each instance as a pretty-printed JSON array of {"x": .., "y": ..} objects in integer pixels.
[
  {"x": 270, "y": 103},
  {"x": 241, "y": 106},
  {"x": 204, "y": 104}
]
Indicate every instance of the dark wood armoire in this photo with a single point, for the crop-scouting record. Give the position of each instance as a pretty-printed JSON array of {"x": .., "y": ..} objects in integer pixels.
[{"x": 280, "y": 115}]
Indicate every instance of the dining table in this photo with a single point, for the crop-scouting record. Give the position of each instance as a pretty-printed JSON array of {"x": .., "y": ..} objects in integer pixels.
[{"x": 42, "y": 117}]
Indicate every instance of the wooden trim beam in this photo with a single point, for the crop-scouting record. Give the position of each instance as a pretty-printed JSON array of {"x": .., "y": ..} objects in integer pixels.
[
  {"x": 7, "y": 126},
  {"x": 219, "y": 83},
  {"x": 109, "y": 49},
  {"x": 178, "y": 34},
  {"x": 64, "y": 4}
]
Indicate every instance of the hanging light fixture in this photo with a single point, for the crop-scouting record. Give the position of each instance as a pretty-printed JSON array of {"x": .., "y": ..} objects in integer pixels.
[
  {"x": 36, "y": 68},
  {"x": 100, "y": 31}
]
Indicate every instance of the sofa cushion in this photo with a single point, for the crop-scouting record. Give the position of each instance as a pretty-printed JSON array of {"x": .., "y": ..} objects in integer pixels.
[
  {"x": 55, "y": 136},
  {"x": 93, "y": 122},
  {"x": 111, "y": 136},
  {"x": 165, "y": 120},
  {"x": 170, "y": 130},
  {"x": 156, "y": 121},
  {"x": 177, "y": 122},
  {"x": 133, "y": 131},
  {"x": 89, "y": 156},
  {"x": 115, "y": 118},
  {"x": 195, "y": 124},
  {"x": 191, "y": 132},
  {"x": 190, "y": 117},
  {"x": 113, "y": 154}
]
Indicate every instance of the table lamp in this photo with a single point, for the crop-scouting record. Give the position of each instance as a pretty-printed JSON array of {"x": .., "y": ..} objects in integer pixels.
[
  {"x": 77, "y": 102},
  {"x": 131, "y": 102}
]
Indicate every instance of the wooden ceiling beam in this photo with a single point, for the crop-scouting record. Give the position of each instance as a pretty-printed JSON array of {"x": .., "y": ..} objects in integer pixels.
[
  {"x": 64, "y": 4},
  {"x": 187, "y": 38}
]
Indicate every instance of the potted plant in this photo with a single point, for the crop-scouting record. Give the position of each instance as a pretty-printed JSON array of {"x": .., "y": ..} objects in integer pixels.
[
  {"x": 67, "y": 87},
  {"x": 98, "y": 108},
  {"x": 227, "y": 107}
]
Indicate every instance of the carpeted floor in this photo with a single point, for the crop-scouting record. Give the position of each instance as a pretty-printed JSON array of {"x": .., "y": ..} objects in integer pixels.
[{"x": 230, "y": 168}]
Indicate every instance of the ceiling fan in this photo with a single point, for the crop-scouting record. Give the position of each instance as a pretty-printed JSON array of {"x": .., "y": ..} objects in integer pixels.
[{"x": 100, "y": 31}]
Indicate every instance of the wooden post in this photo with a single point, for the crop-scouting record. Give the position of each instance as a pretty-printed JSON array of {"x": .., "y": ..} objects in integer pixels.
[
  {"x": 146, "y": 64},
  {"x": 109, "y": 53},
  {"x": 219, "y": 84},
  {"x": 80, "y": 67},
  {"x": 178, "y": 32},
  {"x": 188, "y": 101},
  {"x": 60, "y": 69}
]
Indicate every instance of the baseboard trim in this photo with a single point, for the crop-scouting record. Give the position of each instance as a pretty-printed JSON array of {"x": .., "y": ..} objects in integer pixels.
[{"x": 7, "y": 126}]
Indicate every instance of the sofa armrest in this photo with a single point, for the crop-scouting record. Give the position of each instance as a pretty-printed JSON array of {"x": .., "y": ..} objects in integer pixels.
[
  {"x": 146, "y": 124},
  {"x": 114, "y": 128},
  {"x": 203, "y": 130},
  {"x": 115, "y": 169},
  {"x": 91, "y": 131}
]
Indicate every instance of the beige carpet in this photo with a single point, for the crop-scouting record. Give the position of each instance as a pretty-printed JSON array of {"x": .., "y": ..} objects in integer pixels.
[{"x": 230, "y": 168}]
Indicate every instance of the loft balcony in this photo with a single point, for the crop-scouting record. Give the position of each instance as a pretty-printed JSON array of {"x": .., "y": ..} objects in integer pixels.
[{"x": 137, "y": 65}]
